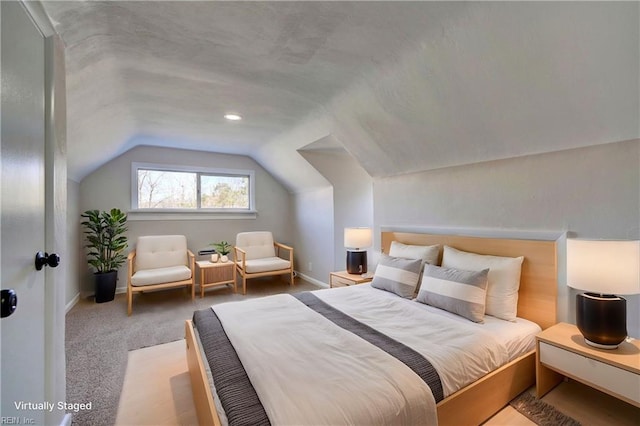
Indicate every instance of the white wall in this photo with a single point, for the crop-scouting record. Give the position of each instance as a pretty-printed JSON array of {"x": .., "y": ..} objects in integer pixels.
[
  {"x": 352, "y": 196},
  {"x": 314, "y": 242},
  {"x": 110, "y": 186},
  {"x": 590, "y": 192}
]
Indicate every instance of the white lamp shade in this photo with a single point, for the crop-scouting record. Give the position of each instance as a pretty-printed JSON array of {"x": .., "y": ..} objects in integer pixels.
[
  {"x": 358, "y": 237},
  {"x": 606, "y": 267}
]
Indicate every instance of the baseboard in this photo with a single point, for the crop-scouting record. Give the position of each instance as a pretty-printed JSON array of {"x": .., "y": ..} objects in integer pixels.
[
  {"x": 312, "y": 280},
  {"x": 72, "y": 303},
  {"x": 121, "y": 290}
]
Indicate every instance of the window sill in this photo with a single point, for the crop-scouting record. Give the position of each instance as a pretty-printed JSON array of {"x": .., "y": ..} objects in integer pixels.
[{"x": 135, "y": 215}]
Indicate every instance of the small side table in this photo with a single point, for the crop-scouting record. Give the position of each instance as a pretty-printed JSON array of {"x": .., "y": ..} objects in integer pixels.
[
  {"x": 216, "y": 274},
  {"x": 343, "y": 279},
  {"x": 561, "y": 351}
]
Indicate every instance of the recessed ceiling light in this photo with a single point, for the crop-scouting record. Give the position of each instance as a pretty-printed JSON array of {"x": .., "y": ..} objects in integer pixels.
[{"x": 232, "y": 117}]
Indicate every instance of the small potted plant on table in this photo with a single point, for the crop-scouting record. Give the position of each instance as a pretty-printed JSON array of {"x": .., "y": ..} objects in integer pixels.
[{"x": 222, "y": 248}]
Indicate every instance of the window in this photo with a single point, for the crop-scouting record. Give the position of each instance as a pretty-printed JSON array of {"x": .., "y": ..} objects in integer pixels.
[
  {"x": 224, "y": 192},
  {"x": 163, "y": 189},
  {"x": 181, "y": 189}
]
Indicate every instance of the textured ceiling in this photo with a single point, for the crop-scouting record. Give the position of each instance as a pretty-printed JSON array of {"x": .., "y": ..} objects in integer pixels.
[{"x": 402, "y": 86}]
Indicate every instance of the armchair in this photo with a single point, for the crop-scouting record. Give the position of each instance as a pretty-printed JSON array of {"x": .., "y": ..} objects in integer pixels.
[
  {"x": 257, "y": 255},
  {"x": 158, "y": 262}
]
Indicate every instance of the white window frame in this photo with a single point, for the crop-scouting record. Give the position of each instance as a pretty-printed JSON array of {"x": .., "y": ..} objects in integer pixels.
[{"x": 137, "y": 213}]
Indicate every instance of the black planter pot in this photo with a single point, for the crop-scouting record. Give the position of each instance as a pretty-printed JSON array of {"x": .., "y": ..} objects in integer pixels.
[{"x": 105, "y": 286}]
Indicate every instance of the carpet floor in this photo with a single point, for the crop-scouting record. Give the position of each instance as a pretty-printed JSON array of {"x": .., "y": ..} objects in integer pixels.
[{"x": 99, "y": 337}]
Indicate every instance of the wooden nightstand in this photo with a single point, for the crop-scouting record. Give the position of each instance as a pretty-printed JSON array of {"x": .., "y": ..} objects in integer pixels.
[
  {"x": 343, "y": 279},
  {"x": 561, "y": 351},
  {"x": 216, "y": 274}
]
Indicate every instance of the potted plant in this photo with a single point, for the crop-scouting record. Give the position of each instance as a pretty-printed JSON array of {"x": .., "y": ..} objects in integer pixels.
[
  {"x": 104, "y": 231},
  {"x": 223, "y": 248}
]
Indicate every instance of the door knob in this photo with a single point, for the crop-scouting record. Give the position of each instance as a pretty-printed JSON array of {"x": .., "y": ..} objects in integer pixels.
[
  {"x": 9, "y": 302},
  {"x": 46, "y": 259}
]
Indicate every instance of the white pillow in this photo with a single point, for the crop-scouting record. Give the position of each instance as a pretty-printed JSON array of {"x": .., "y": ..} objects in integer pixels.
[
  {"x": 428, "y": 254},
  {"x": 504, "y": 279}
]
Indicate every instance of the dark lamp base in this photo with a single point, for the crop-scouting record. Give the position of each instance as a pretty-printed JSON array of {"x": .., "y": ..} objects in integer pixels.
[
  {"x": 356, "y": 262},
  {"x": 602, "y": 319}
]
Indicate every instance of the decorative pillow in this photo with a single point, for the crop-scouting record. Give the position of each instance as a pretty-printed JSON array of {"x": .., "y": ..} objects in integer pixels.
[
  {"x": 397, "y": 275},
  {"x": 455, "y": 290},
  {"x": 504, "y": 279},
  {"x": 428, "y": 254}
]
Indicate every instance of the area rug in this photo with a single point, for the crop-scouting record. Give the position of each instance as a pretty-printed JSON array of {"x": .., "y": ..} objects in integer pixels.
[
  {"x": 157, "y": 388},
  {"x": 540, "y": 412}
]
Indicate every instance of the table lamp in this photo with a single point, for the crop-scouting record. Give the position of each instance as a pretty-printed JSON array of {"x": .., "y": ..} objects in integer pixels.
[
  {"x": 604, "y": 269},
  {"x": 356, "y": 240}
]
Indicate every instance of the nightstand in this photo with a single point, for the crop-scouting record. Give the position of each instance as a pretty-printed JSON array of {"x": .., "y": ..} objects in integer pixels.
[
  {"x": 216, "y": 274},
  {"x": 561, "y": 351},
  {"x": 344, "y": 279}
]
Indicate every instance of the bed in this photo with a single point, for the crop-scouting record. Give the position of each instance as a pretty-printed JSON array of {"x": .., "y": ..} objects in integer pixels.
[{"x": 461, "y": 403}]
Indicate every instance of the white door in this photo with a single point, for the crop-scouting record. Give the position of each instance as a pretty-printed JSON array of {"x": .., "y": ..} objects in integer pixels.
[{"x": 22, "y": 204}]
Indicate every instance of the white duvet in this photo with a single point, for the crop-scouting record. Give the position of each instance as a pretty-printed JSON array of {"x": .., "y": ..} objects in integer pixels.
[
  {"x": 460, "y": 350},
  {"x": 308, "y": 371}
]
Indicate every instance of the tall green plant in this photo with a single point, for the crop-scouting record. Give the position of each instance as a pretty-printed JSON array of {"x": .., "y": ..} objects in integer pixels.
[{"x": 104, "y": 231}]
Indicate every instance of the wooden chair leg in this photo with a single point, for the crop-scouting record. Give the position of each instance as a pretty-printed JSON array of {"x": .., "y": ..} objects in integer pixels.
[
  {"x": 291, "y": 283},
  {"x": 244, "y": 285},
  {"x": 129, "y": 300}
]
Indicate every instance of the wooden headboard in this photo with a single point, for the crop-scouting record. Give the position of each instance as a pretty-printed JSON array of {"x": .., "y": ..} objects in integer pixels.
[{"x": 537, "y": 297}]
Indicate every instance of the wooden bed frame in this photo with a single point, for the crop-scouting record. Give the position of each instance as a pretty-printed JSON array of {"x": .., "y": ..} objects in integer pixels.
[{"x": 477, "y": 402}]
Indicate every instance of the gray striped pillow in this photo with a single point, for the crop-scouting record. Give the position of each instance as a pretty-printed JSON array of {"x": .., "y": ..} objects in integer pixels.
[
  {"x": 454, "y": 290},
  {"x": 397, "y": 275}
]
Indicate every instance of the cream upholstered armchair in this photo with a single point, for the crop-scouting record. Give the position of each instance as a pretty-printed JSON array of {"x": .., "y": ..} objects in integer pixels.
[
  {"x": 257, "y": 255},
  {"x": 158, "y": 262}
]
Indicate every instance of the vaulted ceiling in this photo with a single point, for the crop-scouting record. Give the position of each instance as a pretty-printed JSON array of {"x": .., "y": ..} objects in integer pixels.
[{"x": 402, "y": 86}]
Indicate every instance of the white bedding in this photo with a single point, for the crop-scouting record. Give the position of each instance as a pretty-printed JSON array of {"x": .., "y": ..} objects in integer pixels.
[
  {"x": 302, "y": 380},
  {"x": 441, "y": 337},
  {"x": 342, "y": 379}
]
